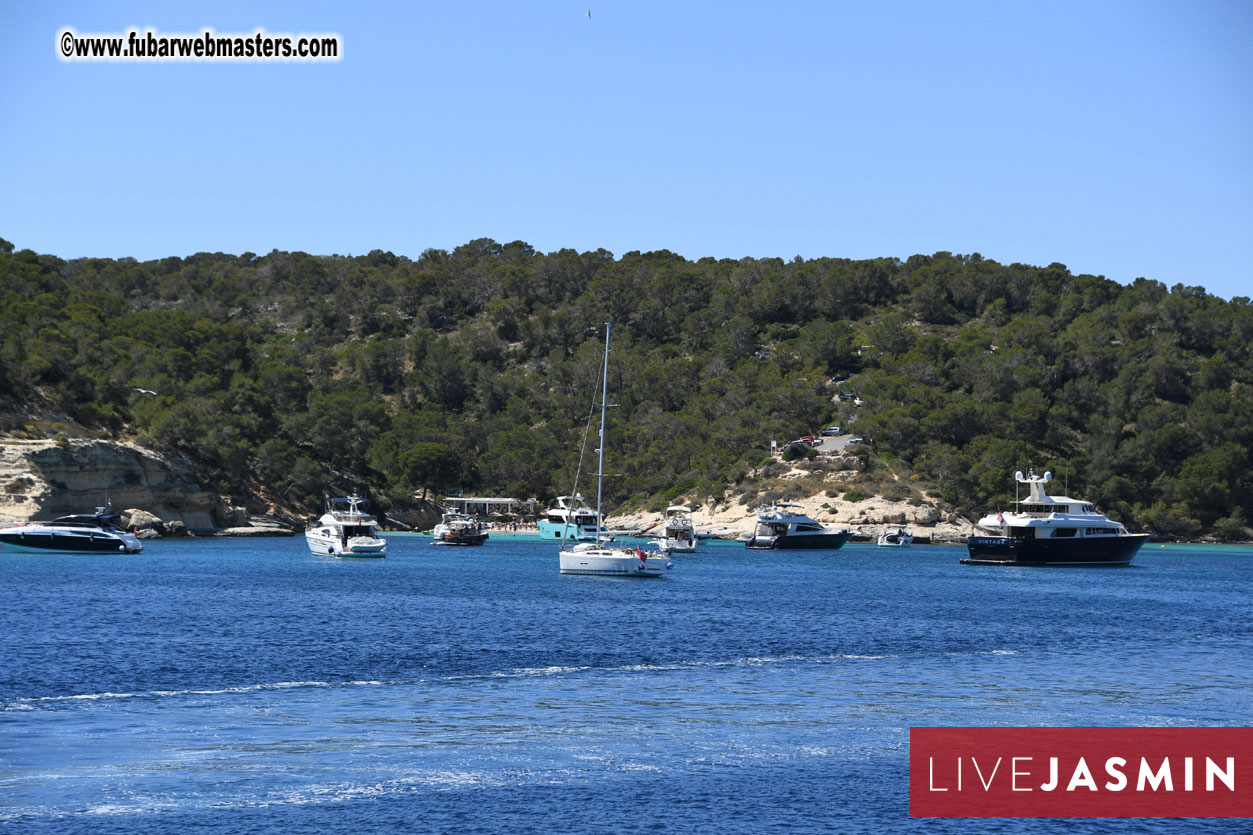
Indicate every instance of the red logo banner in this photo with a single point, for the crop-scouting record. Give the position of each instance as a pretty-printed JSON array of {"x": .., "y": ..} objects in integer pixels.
[{"x": 1081, "y": 772}]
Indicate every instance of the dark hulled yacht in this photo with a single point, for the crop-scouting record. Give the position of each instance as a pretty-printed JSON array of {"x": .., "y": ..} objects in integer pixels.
[
  {"x": 1051, "y": 530},
  {"x": 86, "y": 533},
  {"x": 780, "y": 528}
]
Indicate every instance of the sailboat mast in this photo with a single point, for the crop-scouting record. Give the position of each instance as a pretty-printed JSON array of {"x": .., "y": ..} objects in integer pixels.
[{"x": 600, "y": 472}]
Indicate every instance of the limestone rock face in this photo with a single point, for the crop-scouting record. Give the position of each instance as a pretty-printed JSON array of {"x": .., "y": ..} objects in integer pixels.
[
  {"x": 230, "y": 517},
  {"x": 925, "y": 515},
  {"x": 43, "y": 479},
  {"x": 137, "y": 519},
  {"x": 731, "y": 520}
]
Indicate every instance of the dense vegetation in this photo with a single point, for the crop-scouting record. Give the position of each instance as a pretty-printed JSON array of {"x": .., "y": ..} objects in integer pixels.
[{"x": 289, "y": 374}]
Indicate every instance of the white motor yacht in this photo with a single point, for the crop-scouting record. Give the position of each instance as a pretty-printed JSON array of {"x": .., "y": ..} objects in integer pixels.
[
  {"x": 346, "y": 530},
  {"x": 458, "y": 529},
  {"x": 678, "y": 535},
  {"x": 896, "y": 537}
]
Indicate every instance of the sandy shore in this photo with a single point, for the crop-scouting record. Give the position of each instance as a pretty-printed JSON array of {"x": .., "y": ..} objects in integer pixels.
[{"x": 870, "y": 517}]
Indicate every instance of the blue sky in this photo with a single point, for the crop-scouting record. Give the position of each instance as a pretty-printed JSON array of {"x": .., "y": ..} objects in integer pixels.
[{"x": 1113, "y": 137}]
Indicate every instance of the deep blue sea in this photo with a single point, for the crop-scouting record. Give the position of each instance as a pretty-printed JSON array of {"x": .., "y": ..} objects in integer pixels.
[{"x": 248, "y": 686}]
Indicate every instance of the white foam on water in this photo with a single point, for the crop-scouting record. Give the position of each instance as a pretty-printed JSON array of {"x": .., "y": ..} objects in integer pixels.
[{"x": 28, "y": 702}]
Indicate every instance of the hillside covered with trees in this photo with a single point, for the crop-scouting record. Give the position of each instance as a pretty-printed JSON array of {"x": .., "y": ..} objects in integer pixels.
[{"x": 289, "y": 375}]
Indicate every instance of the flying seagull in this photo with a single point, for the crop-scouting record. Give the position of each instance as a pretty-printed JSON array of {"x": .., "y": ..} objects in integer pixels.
[
  {"x": 589, "y": 14},
  {"x": 146, "y": 391}
]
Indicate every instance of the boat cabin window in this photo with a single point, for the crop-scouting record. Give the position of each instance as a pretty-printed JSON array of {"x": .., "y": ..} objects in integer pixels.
[
  {"x": 1098, "y": 532},
  {"x": 1022, "y": 533},
  {"x": 1039, "y": 508},
  {"x": 808, "y": 528},
  {"x": 1063, "y": 533},
  {"x": 77, "y": 522}
]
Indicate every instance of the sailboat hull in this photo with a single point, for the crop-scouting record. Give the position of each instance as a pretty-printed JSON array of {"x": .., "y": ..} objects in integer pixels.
[{"x": 610, "y": 563}]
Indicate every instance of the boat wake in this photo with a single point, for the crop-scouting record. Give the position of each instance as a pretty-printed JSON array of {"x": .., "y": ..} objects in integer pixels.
[{"x": 36, "y": 702}]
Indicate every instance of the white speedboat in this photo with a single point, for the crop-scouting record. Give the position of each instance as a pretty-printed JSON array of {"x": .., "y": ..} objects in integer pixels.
[
  {"x": 896, "y": 537},
  {"x": 458, "y": 529},
  {"x": 571, "y": 518},
  {"x": 597, "y": 557},
  {"x": 85, "y": 533},
  {"x": 678, "y": 535},
  {"x": 1050, "y": 530},
  {"x": 781, "y": 528},
  {"x": 346, "y": 530}
]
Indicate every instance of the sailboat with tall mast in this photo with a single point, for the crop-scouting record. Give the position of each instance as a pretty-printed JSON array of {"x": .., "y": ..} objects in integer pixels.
[{"x": 598, "y": 557}]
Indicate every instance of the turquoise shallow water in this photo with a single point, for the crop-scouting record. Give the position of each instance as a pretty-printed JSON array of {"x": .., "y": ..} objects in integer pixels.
[{"x": 245, "y": 685}]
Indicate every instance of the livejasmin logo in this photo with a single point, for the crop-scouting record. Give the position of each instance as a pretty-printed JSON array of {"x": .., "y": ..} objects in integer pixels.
[
  {"x": 1081, "y": 772},
  {"x": 1081, "y": 777}
]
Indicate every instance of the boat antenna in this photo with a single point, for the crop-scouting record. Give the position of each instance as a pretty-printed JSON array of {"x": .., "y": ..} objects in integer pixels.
[{"x": 600, "y": 472}]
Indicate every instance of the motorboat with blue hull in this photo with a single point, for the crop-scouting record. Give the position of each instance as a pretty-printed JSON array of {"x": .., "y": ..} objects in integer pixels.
[
  {"x": 780, "y": 528},
  {"x": 571, "y": 519},
  {"x": 1051, "y": 530},
  {"x": 86, "y": 533}
]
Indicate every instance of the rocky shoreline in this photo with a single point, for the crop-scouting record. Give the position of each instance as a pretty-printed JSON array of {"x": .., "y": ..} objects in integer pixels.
[
  {"x": 159, "y": 496},
  {"x": 867, "y": 519},
  {"x": 156, "y": 495}
]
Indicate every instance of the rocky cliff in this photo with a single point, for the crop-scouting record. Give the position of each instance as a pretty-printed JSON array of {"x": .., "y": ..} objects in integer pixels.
[{"x": 43, "y": 479}]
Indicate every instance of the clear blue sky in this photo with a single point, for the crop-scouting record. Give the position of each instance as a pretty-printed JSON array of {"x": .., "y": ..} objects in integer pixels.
[{"x": 1113, "y": 137}]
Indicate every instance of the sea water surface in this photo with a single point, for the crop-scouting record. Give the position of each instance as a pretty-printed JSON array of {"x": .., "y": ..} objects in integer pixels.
[{"x": 247, "y": 685}]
